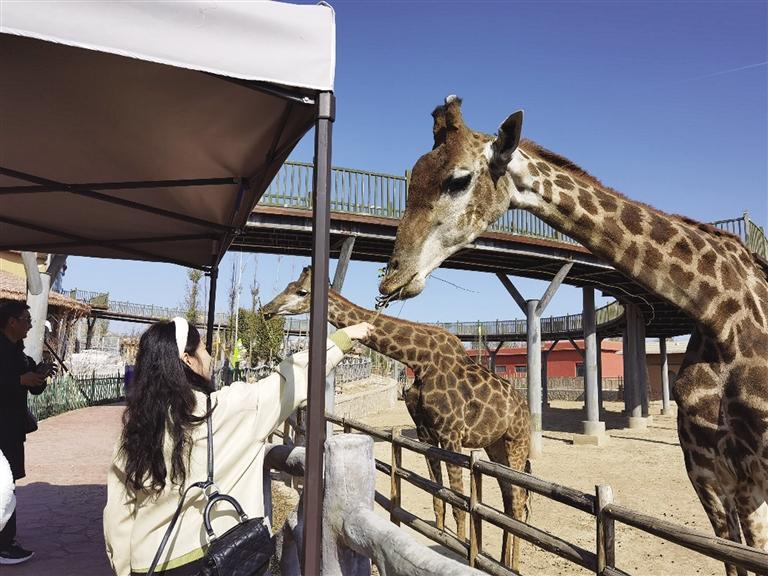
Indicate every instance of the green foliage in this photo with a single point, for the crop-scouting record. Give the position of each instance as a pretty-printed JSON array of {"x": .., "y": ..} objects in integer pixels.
[
  {"x": 191, "y": 311},
  {"x": 263, "y": 338}
]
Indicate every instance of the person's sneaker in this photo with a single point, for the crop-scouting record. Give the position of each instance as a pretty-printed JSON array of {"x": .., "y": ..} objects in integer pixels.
[{"x": 15, "y": 554}]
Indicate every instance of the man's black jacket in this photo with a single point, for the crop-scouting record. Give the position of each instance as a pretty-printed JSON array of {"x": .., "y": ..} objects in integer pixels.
[{"x": 13, "y": 396}]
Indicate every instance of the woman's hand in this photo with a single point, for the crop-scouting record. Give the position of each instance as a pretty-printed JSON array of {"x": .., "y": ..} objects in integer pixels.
[{"x": 359, "y": 331}]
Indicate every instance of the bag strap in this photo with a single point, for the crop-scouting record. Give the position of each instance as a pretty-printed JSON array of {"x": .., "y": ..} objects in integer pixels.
[{"x": 202, "y": 485}]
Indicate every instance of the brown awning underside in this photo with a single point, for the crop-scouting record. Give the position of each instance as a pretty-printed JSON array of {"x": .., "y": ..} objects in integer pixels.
[{"x": 71, "y": 116}]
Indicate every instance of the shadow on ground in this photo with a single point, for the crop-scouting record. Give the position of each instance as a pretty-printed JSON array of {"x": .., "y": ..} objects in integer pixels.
[{"x": 63, "y": 526}]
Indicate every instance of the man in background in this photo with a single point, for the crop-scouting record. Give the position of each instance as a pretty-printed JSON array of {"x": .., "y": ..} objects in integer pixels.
[{"x": 19, "y": 375}]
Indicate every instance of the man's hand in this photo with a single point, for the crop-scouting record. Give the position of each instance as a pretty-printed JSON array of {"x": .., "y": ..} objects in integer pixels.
[
  {"x": 32, "y": 379},
  {"x": 359, "y": 331}
]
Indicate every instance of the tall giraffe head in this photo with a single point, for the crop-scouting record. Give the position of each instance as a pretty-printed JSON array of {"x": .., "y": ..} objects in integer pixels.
[
  {"x": 454, "y": 195},
  {"x": 295, "y": 299}
]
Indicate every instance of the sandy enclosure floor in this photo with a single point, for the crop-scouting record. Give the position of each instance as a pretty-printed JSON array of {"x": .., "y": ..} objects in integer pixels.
[{"x": 644, "y": 468}]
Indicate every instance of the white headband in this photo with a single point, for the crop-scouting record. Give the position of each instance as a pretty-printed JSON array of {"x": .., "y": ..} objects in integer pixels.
[{"x": 182, "y": 331}]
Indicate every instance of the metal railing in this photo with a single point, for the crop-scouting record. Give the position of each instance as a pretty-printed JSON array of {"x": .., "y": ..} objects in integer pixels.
[
  {"x": 67, "y": 393},
  {"x": 101, "y": 300},
  {"x": 384, "y": 195}
]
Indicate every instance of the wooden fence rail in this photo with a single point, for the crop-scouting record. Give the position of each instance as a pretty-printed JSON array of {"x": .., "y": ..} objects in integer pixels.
[{"x": 600, "y": 505}]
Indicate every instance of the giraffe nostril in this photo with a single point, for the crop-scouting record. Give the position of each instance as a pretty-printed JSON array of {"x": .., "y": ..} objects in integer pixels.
[{"x": 394, "y": 264}]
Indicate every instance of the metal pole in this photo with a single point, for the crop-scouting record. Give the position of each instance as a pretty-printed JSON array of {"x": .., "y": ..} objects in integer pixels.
[
  {"x": 665, "y": 409},
  {"x": 318, "y": 329},
  {"x": 214, "y": 275},
  {"x": 534, "y": 376}
]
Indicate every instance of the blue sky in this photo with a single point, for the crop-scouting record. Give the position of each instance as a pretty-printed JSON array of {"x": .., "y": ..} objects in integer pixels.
[{"x": 665, "y": 101}]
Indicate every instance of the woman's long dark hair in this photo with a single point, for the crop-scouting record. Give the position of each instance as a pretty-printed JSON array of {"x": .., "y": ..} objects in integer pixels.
[{"x": 160, "y": 400}]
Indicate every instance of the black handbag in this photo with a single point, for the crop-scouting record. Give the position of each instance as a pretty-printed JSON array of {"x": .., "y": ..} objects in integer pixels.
[{"x": 243, "y": 550}]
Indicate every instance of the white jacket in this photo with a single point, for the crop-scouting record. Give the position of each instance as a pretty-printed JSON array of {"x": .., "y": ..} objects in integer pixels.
[
  {"x": 7, "y": 495},
  {"x": 245, "y": 414}
]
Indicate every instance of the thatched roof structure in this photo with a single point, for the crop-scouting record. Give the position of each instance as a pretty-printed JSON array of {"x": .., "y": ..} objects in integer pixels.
[{"x": 13, "y": 287}]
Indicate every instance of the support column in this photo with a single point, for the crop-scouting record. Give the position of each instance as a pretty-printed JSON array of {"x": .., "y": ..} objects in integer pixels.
[
  {"x": 534, "y": 309},
  {"x": 492, "y": 356},
  {"x": 533, "y": 363},
  {"x": 593, "y": 428},
  {"x": 600, "y": 373},
  {"x": 318, "y": 330},
  {"x": 90, "y": 324},
  {"x": 642, "y": 366},
  {"x": 665, "y": 405},
  {"x": 343, "y": 264},
  {"x": 632, "y": 396},
  {"x": 38, "y": 310},
  {"x": 214, "y": 276}
]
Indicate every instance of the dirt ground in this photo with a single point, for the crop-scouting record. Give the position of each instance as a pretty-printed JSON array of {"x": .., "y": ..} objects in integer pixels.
[{"x": 644, "y": 468}]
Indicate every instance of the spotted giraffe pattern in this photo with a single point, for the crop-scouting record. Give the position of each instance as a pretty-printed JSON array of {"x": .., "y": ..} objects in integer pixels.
[
  {"x": 454, "y": 402},
  {"x": 468, "y": 179}
]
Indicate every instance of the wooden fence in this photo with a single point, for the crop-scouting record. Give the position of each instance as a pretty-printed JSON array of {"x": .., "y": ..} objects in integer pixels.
[{"x": 601, "y": 561}]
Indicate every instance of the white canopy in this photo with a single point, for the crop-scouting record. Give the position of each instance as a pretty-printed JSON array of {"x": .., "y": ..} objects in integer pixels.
[{"x": 149, "y": 130}]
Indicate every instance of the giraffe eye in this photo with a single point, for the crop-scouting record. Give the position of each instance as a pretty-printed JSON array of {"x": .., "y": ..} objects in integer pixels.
[
  {"x": 456, "y": 184},
  {"x": 302, "y": 293}
]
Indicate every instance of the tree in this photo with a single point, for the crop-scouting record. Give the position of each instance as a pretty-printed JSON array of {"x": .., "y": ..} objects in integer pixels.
[
  {"x": 263, "y": 338},
  {"x": 191, "y": 300}
]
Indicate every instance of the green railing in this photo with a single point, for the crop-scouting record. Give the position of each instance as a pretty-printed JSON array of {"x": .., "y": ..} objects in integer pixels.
[
  {"x": 66, "y": 393},
  {"x": 383, "y": 195}
]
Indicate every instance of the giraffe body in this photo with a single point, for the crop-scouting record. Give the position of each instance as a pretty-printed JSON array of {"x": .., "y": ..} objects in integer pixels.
[
  {"x": 454, "y": 402},
  {"x": 469, "y": 179}
]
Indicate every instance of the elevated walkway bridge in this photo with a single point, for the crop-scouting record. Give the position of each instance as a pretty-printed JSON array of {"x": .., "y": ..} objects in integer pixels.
[{"x": 367, "y": 206}]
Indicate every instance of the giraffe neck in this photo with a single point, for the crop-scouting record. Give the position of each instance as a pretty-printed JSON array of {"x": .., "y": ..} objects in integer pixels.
[
  {"x": 342, "y": 312},
  {"x": 677, "y": 259}
]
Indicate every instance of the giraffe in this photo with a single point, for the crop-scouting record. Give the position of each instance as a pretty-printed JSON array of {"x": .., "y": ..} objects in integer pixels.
[
  {"x": 454, "y": 402},
  {"x": 469, "y": 179}
]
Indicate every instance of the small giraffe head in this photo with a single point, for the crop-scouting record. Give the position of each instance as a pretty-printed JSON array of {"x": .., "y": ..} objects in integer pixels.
[
  {"x": 295, "y": 299},
  {"x": 454, "y": 195}
]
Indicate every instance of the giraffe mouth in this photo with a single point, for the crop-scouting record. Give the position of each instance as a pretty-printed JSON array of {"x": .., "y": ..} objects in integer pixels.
[{"x": 384, "y": 300}]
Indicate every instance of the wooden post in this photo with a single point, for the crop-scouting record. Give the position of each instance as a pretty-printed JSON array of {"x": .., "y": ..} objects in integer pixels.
[
  {"x": 347, "y": 427},
  {"x": 475, "y": 498},
  {"x": 394, "y": 479},
  {"x": 606, "y": 536}
]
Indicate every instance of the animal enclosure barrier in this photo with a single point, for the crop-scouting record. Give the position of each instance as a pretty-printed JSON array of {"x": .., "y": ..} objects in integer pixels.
[{"x": 601, "y": 561}]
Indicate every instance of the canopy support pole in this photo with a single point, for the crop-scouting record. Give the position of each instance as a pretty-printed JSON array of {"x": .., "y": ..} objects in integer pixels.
[
  {"x": 214, "y": 275},
  {"x": 318, "y": 330}
]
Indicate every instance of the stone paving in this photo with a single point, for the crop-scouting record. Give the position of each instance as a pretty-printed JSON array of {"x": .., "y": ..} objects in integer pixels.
[{"x": 60, "y": 502}]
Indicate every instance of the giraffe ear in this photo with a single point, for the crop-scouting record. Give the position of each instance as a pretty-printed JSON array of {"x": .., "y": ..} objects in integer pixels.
[
  {"x": 438, "y": 128},
  {"x": 506, "y": 142}
]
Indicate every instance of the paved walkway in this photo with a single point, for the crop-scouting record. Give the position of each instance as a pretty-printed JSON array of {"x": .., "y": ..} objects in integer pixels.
[{"x": 60, "y": 502}]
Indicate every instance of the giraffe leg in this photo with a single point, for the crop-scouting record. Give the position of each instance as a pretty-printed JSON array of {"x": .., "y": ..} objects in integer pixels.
[
  {"x": 436, "y": 475},
  {"x": 457, "y": 485},
  {"x": 721, "y": 511},
  {"x": 753, "y": 515},
  {"x": 515, "y": 498}
]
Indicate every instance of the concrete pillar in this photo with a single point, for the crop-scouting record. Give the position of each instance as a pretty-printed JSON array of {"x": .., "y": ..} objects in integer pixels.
[
  {"x": 545, "y": 379},
  {"x": 593, "y": 429},
  {"x": 38, "y": 310},
  {"x": 350, "y": 478},
  {"x": 642, "y": 365},
  {"x": 632, "y": 369},
  {"x": 534, "y": 309},
  {"x": 665, "y": 405},
  {"x": 600, "y": 373},
  {"x": 534, "y": 375}
]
